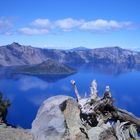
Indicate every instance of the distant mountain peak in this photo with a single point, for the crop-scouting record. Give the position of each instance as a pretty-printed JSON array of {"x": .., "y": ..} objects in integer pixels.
[
  {"x": 118, "y": 48},
  {"x": 81, "y": 48},
  {"x": 15, "y": 44},
  {"x": 111, "y": 47}
]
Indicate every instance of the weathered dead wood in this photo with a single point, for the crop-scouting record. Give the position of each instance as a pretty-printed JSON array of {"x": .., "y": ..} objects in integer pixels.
[
  {"x": 96, "y": 111},
  {"x": 127, "y": 116}
]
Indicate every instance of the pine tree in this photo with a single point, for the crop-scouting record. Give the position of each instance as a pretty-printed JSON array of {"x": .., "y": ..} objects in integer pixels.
[{"x": 4, "y": 104}]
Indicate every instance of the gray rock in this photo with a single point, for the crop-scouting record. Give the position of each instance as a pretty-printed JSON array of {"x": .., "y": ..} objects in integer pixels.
[
  {"x": 15, "y": 134},
  {"x": 94, "y": 133},
  {"x": 58, "y": 118},
  {"x": 103, "y": 132},
  {"x": 107, "y": 135},
  {"x": 3, "y": 125}
]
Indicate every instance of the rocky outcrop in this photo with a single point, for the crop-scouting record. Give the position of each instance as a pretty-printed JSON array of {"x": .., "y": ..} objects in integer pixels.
[
  {"x": 59, "y": 118},
  {"x": 16, "y": 54},
  {"x": 89, "y": 118}
]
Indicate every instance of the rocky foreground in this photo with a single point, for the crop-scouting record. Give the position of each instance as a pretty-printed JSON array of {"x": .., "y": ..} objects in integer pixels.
[
  {"x": 58, "y": 119},
  {"x": 9, "y": 133},
  {"x": 64, "y": 118}
]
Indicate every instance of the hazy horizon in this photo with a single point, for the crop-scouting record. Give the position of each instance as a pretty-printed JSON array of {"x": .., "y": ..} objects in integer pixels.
[{"x": 71, "y": 48}]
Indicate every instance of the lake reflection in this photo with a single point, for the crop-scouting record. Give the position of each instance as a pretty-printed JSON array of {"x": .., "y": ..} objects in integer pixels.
[{"x": 28, "y": 92}]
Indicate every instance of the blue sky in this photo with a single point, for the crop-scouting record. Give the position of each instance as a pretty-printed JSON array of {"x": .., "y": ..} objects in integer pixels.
[{"x": 70, "y": 23}]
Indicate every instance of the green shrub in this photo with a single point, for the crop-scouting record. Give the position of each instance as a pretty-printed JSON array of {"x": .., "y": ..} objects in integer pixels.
[{"x": 4, "y": 104}]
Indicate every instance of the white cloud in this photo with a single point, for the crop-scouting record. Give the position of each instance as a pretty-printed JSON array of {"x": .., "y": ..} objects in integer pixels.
[
  {"x": 104, "y": 25},
  {"x": 42, "y": 23},
  {"x": 45, "y": 26},
  {"x": 68, "y": 23},
  {"x": 6, "y": 25},
  {"x": 33, "y": 31}
]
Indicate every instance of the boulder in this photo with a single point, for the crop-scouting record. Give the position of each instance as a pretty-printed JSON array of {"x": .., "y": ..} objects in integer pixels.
[{"x": 58, "y": 118}]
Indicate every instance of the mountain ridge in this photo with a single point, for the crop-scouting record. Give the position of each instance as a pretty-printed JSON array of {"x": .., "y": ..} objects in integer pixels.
[{"x": 16, "y": 54}]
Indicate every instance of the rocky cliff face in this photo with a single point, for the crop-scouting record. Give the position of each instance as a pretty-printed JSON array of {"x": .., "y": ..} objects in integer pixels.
[{"x": 16, "y": 54}]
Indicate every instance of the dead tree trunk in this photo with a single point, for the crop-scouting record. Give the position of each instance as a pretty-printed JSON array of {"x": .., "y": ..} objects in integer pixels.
[{"x": 127, "y": 116}]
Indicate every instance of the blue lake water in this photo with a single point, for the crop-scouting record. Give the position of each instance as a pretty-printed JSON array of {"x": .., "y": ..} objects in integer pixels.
[{"x": 28, "y": 92}]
